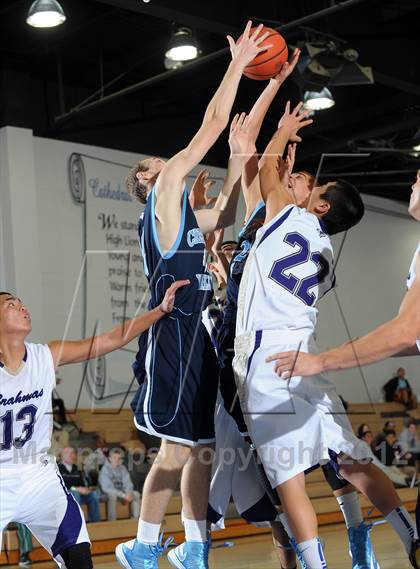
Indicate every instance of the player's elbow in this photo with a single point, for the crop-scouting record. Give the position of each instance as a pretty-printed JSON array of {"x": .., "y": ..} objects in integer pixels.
[{"x": 406, "y": 332}]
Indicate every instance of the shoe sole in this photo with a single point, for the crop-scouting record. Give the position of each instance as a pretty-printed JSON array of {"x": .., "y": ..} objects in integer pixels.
[
  {"x": 174, "y": 560},
  {"x": 119, "y": 554}
]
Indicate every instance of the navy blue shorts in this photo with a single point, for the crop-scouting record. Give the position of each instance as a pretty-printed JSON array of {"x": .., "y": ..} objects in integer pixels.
[
  {"x": 225, "y": 349},
  {"x": 178, "y": 382}
]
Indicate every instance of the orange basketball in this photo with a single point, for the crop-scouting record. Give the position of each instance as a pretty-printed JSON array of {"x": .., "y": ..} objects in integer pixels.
[{"x": 268, "y": 63}]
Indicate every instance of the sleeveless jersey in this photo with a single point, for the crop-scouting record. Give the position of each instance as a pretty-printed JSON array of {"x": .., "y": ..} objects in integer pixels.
[
  {"x": 289, "y": 268},
  {"x": 185, "y": 260},
  {"x": 412, "y": 276},
  {"x": 26, "y": 407}
]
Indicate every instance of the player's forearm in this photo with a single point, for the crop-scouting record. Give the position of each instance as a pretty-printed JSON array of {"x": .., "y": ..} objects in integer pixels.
[
  {"x": 233, "y": 174},
  {"x": 121, "y": 335},
  {"x": 392, "y": 337},
  {"x": 261, "y": 106},
  {"x": 221, "y": 104},
  {"x": 275, "y": 147}
]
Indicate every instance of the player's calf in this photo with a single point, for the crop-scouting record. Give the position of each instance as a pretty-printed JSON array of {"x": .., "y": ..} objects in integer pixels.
[{"x": 77, "y": 556}]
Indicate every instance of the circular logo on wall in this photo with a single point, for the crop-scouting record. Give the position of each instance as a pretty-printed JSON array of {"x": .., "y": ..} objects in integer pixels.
[{"x": 77, "y": 178}]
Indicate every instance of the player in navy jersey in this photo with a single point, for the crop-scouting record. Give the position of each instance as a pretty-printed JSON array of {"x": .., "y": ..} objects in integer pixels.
[
  {"x": 32, "y": 491},
  {"x": 177, "y": 399},
  {"x": 398, "y": 337}
]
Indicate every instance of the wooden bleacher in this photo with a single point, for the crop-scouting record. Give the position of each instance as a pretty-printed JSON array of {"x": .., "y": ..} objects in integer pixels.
[{"x": 118, "y": 426}]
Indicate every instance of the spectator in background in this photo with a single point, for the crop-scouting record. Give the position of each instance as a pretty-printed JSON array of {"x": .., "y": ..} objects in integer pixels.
[
  {"x": 380, "y": 437},
  {"x": 410, "y": 442},
  {"x": 399, "y": 389},
  {"x": 58, "y": 406},
  {"x": 96, "y": 459},
  {"x": 116, "y": 484},
  {"x": 389, "y": 454},
  {"x": 24, "y": 538},
  {"x": 78, "y": 485},
  {"x": 365, "y": 434}
]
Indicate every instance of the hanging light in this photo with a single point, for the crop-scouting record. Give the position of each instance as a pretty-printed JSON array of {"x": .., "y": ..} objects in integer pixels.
[
  {"x": 45, "y": 14},
  {"x": 317, "y": 101},
  {"x": 182, "y": 46}
]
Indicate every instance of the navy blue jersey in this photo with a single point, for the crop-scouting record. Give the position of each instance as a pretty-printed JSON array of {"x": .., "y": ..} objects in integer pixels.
[
  {"x": 185, "y": 260},
  {"x": 245, "y": 240}
]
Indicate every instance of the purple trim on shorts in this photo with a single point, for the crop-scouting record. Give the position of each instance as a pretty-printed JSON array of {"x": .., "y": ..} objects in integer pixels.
[{"x": 258, "y": 338}]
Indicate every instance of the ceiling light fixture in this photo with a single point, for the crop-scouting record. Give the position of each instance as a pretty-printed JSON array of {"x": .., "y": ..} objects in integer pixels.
[
  {"x": 182, "y": 46},
  {"x": 45, "y": 14},
  {"x": 318, "y": 101}
]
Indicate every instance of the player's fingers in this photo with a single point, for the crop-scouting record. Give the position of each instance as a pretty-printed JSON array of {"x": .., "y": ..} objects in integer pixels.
[
  {"x": 256, "y": 32},
  {"x": 295, "y": 58},
  {"x": 231, "y": 43},
  {"x": 247, "y": 29},
  {"x": 297, "y": 109},
  {"x": 178, "y": 284},
  {"x": 209, "y": 184},
  {"x": 261, "y": 38},
  {"x": 234, "y": 122},
  {"x": 287, "y": 108},
  {"x": 306, "y": 123},
  {"x": 264, "y": 47},
  {"x": 241, "y": 120}
]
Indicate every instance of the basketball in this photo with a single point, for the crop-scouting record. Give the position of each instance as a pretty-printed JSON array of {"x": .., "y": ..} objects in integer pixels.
[{"x": 268, "y": 63}]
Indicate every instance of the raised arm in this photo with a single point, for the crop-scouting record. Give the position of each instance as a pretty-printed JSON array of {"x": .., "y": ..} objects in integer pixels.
[
  {"x": 69, "y": 352},
  {"x": 223, "y": 213},
  {"x": 397, "y": 336},
  {"x": 250, "y": 180},
  {"x": 275, "y": 193},
  {"x": 216, "y": 117}
]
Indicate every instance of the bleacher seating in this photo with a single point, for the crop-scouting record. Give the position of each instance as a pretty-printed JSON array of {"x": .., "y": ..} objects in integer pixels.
[{"x": 115, "y": 425}]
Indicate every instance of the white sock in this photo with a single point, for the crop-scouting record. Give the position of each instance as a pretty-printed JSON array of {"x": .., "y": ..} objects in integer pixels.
[
  {"x": 313, "y": 554},
  {"x": 148, "y": 533},
  {"x": 285, "y": 524},
  {"x": 195, "y": 530},
  {"x": 403, "y": 524},
  {"x": 350, "y": 507}
]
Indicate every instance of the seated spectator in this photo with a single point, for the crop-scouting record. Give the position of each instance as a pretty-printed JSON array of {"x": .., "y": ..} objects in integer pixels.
[
  {"x": 365, "y": 434},
  {"x": 78, "y": 485},
  {"x": 380, "y": 437},
  {"x": 58, "y": 406},
  {"x": 399, "y": 389},
  {"x": 410, "y": 442},
  {"x": 24, "y": 538},
  {"x": 389, "y": 455},
  {"x": 115, "y": 482},
  {"x": 96, "y": 459}
]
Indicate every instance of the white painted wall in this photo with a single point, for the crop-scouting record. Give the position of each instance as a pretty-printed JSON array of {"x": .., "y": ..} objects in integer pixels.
[{"x": 41, "y": 251}]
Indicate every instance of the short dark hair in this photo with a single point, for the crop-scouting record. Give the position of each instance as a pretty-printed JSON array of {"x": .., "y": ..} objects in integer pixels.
[
  {"x": 9, "y": 293},
  {"x": 134, "y": 187},
  {"x": 361, "y": 431},
  {"x": 390, "y": 432},
  {"x": 346, "y": 207},
  {"x": 229, "y": 242}
]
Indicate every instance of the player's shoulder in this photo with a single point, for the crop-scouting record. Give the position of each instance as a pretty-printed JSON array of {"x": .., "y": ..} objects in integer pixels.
[{"x": 38, "y": 352}]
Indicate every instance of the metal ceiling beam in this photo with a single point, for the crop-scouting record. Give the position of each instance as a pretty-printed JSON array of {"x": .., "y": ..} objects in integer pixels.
[
  {"x": 336, "y": 145},
  {"x": 134, "y": 5},
  {"x": 174, "y": 15}
]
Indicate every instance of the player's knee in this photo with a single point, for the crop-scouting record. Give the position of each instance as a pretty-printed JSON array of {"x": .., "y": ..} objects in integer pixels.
[
  {"x": 77, "y": 556},
  {"x": 173, "y": 455}
]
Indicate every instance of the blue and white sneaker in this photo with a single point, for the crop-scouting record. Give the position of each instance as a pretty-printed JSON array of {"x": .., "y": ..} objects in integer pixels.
[
  {"x": 293, "y": 543},
  {"x": 361, "y": 550},
  {"x": 190, "y": 555},
  {"x": 134, "y": 554}
]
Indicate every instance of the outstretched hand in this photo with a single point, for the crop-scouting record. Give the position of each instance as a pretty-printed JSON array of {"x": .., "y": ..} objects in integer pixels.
[
  {"x": 239, "y": 137},
  {"x": 248, "y": 47},
  {"x": 288, "y": 67},
  {"x": 294, "y": 121},
  {"x": 167, "y": 304},
  {"x": 199, "y": 192}
]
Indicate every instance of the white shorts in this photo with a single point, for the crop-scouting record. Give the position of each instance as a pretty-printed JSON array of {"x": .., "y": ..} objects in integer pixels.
[
  {"x": 294, "y": 424},
  {"x": 235, "y": 475},
  {"x": 35, "y": 495}
]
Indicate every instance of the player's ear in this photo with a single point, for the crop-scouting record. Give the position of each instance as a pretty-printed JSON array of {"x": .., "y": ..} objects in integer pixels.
[
  {"x": 143, "y": 177},
  {"x": 322, "y": 207}
]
